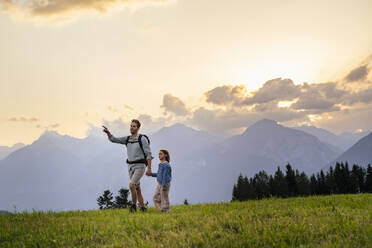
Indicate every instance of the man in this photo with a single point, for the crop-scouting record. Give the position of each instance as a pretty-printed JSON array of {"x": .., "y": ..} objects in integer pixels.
[{"x": 137, "y": 159}]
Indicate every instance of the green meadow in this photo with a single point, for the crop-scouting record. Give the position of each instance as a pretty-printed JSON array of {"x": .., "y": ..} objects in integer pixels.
[{"x": 316, "y": 221}]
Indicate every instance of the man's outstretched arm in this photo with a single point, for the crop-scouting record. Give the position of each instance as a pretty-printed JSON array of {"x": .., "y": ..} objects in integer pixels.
[{"x": 112, "y": 138}]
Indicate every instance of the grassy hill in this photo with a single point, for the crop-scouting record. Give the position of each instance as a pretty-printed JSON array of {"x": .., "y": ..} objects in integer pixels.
[{"x": 326, "y": 221}]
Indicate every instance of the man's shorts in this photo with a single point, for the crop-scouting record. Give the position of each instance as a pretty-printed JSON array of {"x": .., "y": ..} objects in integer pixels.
[{"x": 135, "y": 175}]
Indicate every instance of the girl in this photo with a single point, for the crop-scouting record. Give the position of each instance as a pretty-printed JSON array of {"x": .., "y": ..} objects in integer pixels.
[{"x": 163, "y": 176}]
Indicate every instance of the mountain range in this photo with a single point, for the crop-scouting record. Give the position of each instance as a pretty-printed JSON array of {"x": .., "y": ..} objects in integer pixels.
[
  {"x": 60, "y": 172},
  {"x": 360, "y": 153},
  {"x": 6, "y": 150},
  {"x": 342, "y": 141}
]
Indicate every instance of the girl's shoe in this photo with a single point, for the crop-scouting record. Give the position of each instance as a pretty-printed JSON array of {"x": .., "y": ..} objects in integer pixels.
[{"x": 143, "y": 209}]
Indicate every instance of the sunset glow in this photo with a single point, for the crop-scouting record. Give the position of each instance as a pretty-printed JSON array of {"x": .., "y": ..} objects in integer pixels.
[{"x": 70, "y": 66}]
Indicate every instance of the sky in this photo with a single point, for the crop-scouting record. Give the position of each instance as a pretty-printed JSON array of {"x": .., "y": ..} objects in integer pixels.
[{"x": 218, "y": 66}]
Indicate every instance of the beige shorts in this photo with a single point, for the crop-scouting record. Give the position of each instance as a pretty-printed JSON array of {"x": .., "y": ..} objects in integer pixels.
[{"x": 135, "y": 175}]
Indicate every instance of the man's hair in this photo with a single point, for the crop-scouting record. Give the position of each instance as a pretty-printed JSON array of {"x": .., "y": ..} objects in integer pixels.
[
  {"x": 138, "y": 123},
  {"x": 166, "y": 153}
]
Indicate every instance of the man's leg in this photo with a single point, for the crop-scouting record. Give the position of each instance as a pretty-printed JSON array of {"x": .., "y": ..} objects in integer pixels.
[
  {"x": 133, "y": 193},
  {"x": 139, "y": 196},
  {"x": 134, "y": 185},
  {"x": 132, "y": 188}
]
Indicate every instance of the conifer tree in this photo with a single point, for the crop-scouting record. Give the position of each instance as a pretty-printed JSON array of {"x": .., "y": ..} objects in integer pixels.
[
  {"x": 121, "y": 200},
  {"x": 313, "y": 185},
  {"x": 368, "y": 184},
  {"x": 261, "y": 185},
  {"x": 303, "y": 184},
  {"x": 291, "y": 180},
  {"x": 105, "y": 201},
  {"x": 330, "y": 181}
]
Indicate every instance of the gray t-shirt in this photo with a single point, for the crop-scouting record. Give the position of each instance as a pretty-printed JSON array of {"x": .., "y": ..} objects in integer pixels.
[{"x": 134, "y": 151}]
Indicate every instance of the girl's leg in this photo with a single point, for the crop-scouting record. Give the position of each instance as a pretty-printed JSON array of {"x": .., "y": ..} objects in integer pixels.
[
  {"x": 156, "y": 198},
  {"x": 165, "y": 199}
]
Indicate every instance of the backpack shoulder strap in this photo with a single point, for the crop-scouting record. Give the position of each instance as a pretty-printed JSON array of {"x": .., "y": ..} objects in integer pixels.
[
  {"x": 141, "y": 146},
  {"x": 148, "y": 140},
  {"x": 127, "y": 140}
]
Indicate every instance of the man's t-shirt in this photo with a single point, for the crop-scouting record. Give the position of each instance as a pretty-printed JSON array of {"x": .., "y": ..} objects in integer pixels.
[{"x": 134, "y": 151}]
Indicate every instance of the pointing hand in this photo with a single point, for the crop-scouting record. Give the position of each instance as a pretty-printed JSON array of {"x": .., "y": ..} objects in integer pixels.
[{"x": 105, "y": 130}]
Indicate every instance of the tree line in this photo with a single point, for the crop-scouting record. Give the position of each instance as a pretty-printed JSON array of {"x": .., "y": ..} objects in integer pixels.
[
  {"x": 106, "y": 200},
  {"x": 338, "y": 180}
]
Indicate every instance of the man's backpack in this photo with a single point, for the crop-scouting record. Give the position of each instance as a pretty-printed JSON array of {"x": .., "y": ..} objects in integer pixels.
[{"x": 144, "y": 160}]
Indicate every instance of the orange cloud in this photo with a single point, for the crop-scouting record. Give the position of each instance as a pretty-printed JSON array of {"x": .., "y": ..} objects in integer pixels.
[
  {"x": 48, "y": 127},
  {"x": 357, "y": 74},
  {"x": 64, "y": 10},
  {"x": 174, "y": 105},
  {"x": 233, "y": 108},
  {"x": 23, "y": 119}
]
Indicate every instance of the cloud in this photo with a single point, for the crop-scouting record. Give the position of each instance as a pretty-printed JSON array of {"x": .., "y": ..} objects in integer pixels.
[
  {"x": 231, "y": 121},
  {"x": 229, "y": 109},
  {"x": 55, "y": 125},
  {"x": 221, "y": 122},
  {"x": 7, "y": 5},
  {"x": 321, "y": 96},
  {"x": 359, "y": 73},
  {"x": 151, "y": 124},
  {"x": 50, "y": 126},
  {"x": 126, "y": 106},
  {"x": 363, "y": 96},
  {"x": 226, "y": 94},
  {"x": 329, "y": 90},
  {"x": 121, "y": 125},
  {"x": 112, "y": 109},
  {"x": 23, "y": 119},
  {"x": 318, "y": 97},
  {"x": 275, "y": 89},
  {"x": 232, "y": 108},
  {"x": 118, "y": 109},
  {"x": 35, "y": 120},
  {"x": 174, "y": 105},
  {"x": 348, "y": 120},
  {"x": 58, "y": 10},
  {"x": 313, "y": 104}
]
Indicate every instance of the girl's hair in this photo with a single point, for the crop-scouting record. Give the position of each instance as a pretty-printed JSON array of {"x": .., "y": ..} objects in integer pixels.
[{"x": 166, "y": 153}]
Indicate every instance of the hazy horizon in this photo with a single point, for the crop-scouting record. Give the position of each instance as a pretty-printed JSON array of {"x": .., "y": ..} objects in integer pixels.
[{"x": 121, "y": 131}]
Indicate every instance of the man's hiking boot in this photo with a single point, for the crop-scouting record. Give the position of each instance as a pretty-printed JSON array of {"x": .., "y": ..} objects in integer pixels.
[
  {"x": 133, "y": 208},
  {"x": 143, "y": 209}
]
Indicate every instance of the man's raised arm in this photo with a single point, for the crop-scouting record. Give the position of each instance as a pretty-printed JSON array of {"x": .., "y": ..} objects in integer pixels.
[{"x": 112, "y": 138}]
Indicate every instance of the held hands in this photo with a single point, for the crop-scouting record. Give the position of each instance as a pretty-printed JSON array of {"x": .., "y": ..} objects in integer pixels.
[{"x": 148, "y": 172}]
